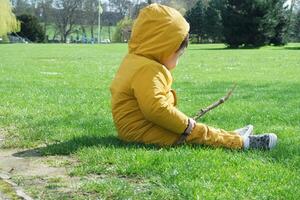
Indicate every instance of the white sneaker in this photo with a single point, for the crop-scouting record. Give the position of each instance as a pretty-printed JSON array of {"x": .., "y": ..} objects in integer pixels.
[
  {"x": 245, "y": 131},
  {"x": 265, "y": 141}
]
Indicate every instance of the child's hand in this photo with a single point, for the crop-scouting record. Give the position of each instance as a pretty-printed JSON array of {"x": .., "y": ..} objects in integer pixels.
[{"x": 191, "y": 125}]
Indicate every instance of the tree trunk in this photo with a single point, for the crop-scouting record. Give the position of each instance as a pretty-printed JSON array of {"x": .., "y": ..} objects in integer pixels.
[
  {"x": 83, "y": 30},
  {"x": 54, "y": 35},
  {"x": 109, "y": 32},
  {"x": 61, "y": 37},
  {"x": 92, "y": 31},
  {"x": 65, "y": 38},
  {"x": 45, "y": 32}
]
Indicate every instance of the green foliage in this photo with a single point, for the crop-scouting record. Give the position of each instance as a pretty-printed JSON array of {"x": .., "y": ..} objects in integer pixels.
[
  {"x": 5, "y": 39},
  {"x": 213, "y": 21},
  {"x": 31, "y": 29},
  {"x": 253, "y": 23},
  {"x": 195, "y": 17},
  {"x": 123, "y": 30},
  {"x": 8, "y": 22},
  {"x": 276, "y": 23},
  {"x": 249, "y": 23},
  {"x": 8, "y": 190},
  {"x": 296, "y": 26},
  {"x": 242, "y": 22}
]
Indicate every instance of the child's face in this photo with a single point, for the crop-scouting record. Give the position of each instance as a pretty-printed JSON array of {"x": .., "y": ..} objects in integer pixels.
[{"x": 172, "y": 61}]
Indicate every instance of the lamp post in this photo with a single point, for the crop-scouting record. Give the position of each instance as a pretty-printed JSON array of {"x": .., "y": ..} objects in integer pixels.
[{"x": 99, "y": 20}]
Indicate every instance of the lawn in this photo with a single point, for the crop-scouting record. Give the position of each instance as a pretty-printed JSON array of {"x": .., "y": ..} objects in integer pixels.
[{"x": 59, "y": 95}]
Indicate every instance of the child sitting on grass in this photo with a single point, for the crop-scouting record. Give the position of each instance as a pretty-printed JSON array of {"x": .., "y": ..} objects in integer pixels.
[{"x": 143, "y": 103}]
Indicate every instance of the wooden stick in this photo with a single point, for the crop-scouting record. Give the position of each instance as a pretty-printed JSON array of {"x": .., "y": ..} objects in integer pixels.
[{"x": 203, "y": 111}]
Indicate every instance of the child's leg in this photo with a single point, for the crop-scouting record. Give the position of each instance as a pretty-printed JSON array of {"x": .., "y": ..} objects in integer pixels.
[
  {"x": 160, "y": 136},
  {"x": 203, "y": 134}
]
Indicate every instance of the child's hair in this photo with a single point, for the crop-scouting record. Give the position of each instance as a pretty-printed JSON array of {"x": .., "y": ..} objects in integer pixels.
[{"x": 184, "y": 43}]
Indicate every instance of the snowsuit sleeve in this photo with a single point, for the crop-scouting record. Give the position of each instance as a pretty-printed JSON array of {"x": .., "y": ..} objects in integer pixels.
[{"x": 151, "y": 88}]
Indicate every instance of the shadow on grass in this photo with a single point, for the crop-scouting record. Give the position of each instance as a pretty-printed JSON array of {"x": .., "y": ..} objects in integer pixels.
[
  {"x": 242, "y": 48},
  {"x": 281, "y": 154},
  {"x": 223, "y": 48},
  {"x": 292, "y": 48},
  {"x": 209, "y": 49},
  {"x": 73, "y": 145}
]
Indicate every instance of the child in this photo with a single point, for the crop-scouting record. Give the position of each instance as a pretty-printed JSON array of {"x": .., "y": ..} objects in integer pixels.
[{"x": 143, "y": 103}]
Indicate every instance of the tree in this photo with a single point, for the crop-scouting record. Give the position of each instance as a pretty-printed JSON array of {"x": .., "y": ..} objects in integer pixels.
[
  {"x": 195, "y": 17},
  {"x": 45, "y": 10},
  {"x": 90, "y": 13},
  {"x": 8, "y": 22},
  {"x": 123, "y": 30},
  {"x": 122, "y": 6},
  {"x": 110, "y": 18},
  {"x": 137, "y": 7},
  {"x": 31, "y": 29},
  {"x": 213, "y": 26},
  {"x": 22, "y": 7},
  {"x": 276, "y": 23},
  {"x": 253, "y": 23},
  {"x": 293, "y": 4},
  {"x": 65, "y": 16},
  {"x": 296, "y": 27},
  {"x": 241, "y": 21},
  {"x": 181, "y": 5}
]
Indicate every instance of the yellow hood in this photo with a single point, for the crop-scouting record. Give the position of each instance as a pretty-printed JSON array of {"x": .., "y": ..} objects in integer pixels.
[{"x": 157, "y": 32}]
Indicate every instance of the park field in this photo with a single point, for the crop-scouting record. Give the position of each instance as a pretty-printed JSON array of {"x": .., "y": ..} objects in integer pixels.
[{"x": 56, "y": 98}]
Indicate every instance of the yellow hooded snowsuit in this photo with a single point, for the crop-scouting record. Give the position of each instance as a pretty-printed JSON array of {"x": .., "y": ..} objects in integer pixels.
[{"x": 143, "y": 103}]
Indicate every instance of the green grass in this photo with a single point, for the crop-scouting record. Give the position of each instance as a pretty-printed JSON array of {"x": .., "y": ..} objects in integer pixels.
[
  {"x": 59, "y": 95},
  {"x": 7, "y": 190}
]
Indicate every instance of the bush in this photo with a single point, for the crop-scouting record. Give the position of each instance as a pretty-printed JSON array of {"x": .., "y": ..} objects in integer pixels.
[
  {"x": 30, "y": 28},
  {"x": 123, "y": 30},
  {"x": 254, "y": 23},
  {"x": 4, "y": 40},
  {"x": 295, "y": 27}
]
